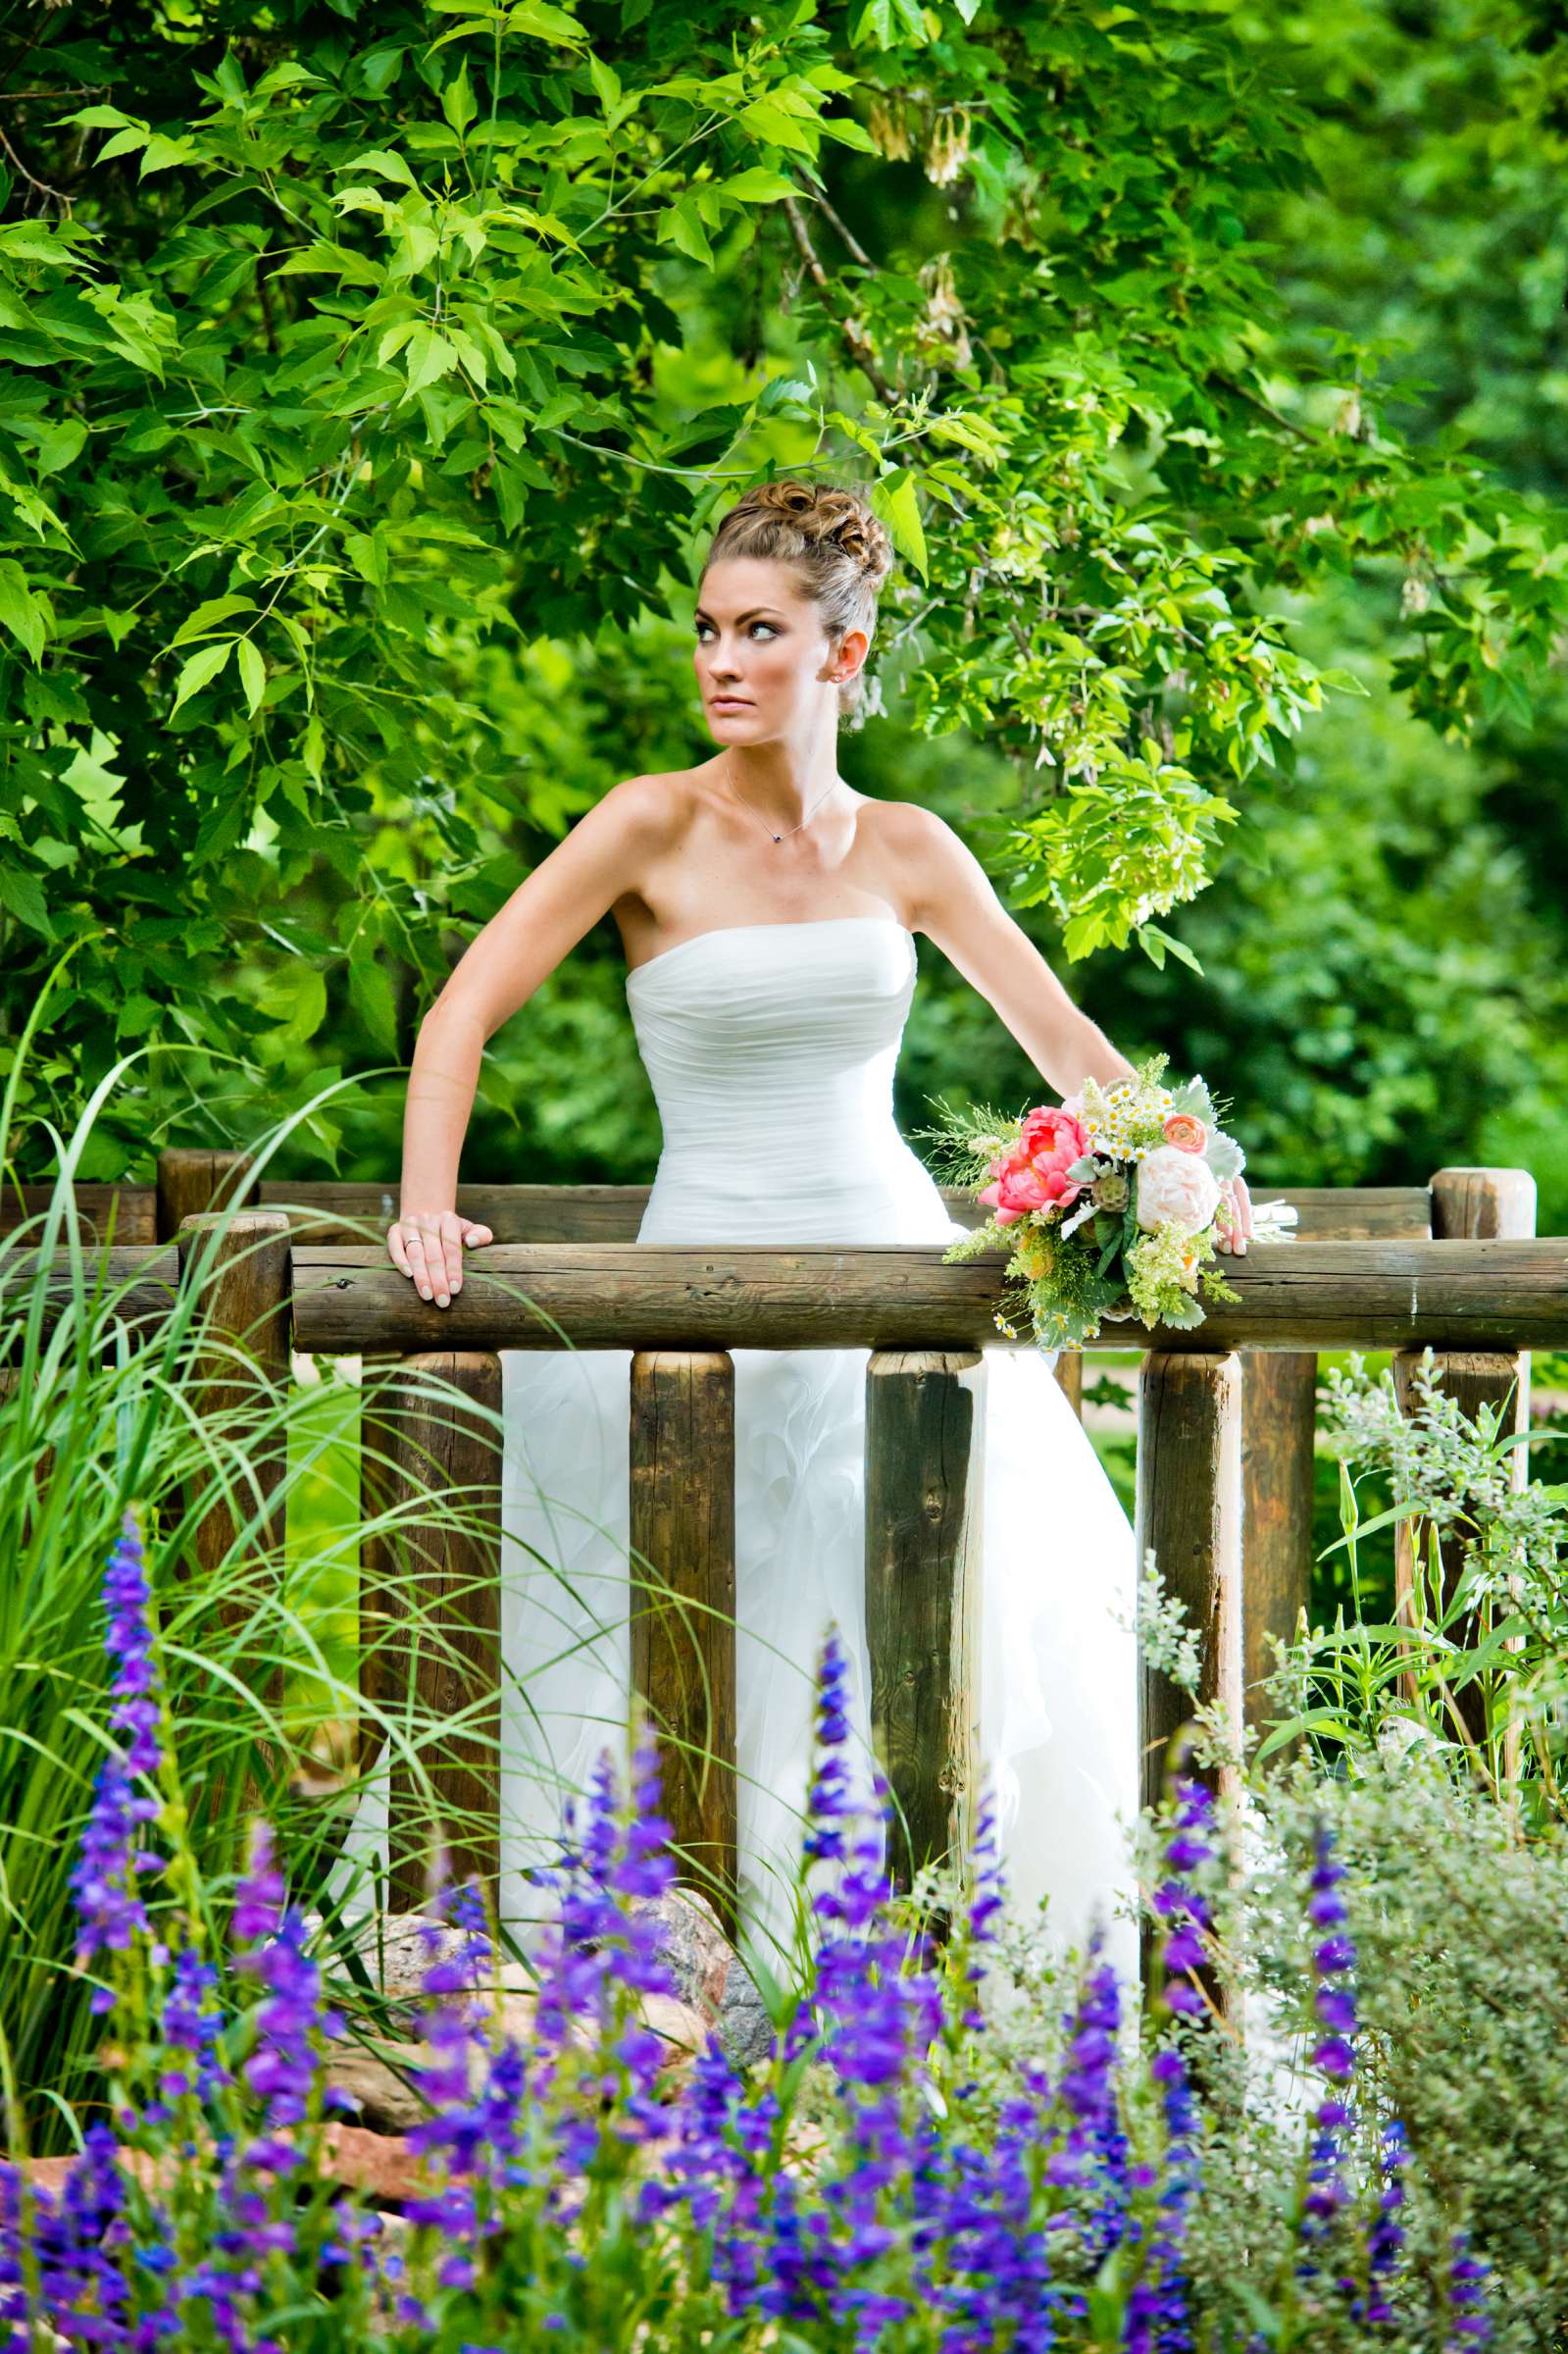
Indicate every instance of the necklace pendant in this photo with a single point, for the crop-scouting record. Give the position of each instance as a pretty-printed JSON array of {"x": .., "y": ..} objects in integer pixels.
[{"x": 778, "y": 838}]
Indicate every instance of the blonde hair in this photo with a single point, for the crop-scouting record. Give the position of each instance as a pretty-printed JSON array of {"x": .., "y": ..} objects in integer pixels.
[{"x": 830, "y": 539}]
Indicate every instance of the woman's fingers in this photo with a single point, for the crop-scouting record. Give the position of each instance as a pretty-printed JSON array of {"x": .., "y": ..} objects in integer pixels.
[{"x": 429, "y": 1252}]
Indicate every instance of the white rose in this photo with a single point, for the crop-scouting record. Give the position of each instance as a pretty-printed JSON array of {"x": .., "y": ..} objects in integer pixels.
[{"x": 1176, "y": 1189}]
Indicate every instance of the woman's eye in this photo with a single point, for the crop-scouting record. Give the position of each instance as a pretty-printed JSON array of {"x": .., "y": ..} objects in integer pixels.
[{"x": 765, "y": 625}]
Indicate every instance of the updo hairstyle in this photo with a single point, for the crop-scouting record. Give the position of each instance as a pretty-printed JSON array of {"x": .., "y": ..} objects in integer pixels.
[{"x": 832, "y": 542}]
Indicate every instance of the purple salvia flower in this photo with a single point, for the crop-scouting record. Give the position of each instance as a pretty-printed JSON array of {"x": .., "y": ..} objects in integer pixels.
[
  {"x": 1385, "y": 2238},
  {"x": 989, "y": 1893},
  {"x": 192, "y": 2025},
  {"x": 1093, "y": 2161},
  {"x": 1333, "y": 2054},
  {"x": 109, "y": 1912},
  {"x": 109, "y": 1909},
  {"x": 830, "y": 1803},
  {"x": 290, "y": 2019},
  {"x": 1469, "y": 2321},
  {"x": 129, "y": 1639},
  {"x": 1159, "y": 2316}
]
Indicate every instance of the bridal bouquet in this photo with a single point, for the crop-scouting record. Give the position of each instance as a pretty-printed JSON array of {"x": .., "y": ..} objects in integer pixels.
[{"x": 1111, "y": 1204}]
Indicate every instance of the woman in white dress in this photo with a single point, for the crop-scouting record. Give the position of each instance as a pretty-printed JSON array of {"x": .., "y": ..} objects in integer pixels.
[{"x": 769, "y": 914}]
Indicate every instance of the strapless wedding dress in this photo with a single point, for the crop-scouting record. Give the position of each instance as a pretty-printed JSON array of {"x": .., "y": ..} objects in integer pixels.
[{"x": 770, "y": 1048}]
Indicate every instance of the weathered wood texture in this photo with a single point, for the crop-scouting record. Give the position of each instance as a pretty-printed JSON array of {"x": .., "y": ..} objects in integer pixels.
[
  {"x": 239, "y": 1267},
  {"x": 197, "y": 1177},
  {"x": 1190, "y": 1512},
  {"x": 126, "y": 1212},
  {"x": 141, "y": 1279},
  {"x": 683, "y": 1459},
  {"x": 1070, "y": 1379},
  {"x": 440, "y": 1688},
  {"x": 612, "y": 1213},
  {"x": 1294, "y": 1296},
  {"x": 1470, "y": 1204},
  {"x": 923, "y": 1595},
  {"x": 1279, "y": 1418}
]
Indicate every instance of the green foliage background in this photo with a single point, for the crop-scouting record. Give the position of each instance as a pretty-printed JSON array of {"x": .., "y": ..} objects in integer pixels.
[{"x": 370, "y": 379}]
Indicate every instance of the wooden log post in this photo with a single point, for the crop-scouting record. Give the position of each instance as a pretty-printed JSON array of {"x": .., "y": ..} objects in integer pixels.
[
  {"x": 1188, "y": 1512},
  {"x": 242, "y": 1263},
  {"x": 197, "y": 1177},
  {"x": 923, "y": 1595},
  {"x": 442, "y": 1689},
  {"x": 1279, "y": 1421},
  {"x": 1069, "y": 1372},
  {"x": 1469, "y": 1206},
  {"x": 682, "y": 1525}
]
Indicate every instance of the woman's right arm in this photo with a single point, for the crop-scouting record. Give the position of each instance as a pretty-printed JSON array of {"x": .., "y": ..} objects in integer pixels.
[{"x": 605, "y": 856}]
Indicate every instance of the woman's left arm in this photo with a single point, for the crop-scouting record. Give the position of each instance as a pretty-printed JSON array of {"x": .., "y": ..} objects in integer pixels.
[{"x": 954, "y": 903}]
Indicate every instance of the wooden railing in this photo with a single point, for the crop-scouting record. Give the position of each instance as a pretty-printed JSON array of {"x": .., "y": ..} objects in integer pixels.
[{"x": 1225, "y": 1430}]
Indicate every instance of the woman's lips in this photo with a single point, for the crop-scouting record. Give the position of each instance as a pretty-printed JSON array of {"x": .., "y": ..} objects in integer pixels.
[{"x": 732, "y": 703}]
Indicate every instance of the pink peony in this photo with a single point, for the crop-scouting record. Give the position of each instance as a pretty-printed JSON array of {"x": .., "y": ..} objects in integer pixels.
[
  {"x": 1186, "y": 1131},
  {"x": 1033, "y": 1175},
  {"x": 1176, "y": 1189}
]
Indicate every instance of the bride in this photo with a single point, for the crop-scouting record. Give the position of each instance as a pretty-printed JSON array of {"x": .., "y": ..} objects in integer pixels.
[{"x": 769, "y": 914}]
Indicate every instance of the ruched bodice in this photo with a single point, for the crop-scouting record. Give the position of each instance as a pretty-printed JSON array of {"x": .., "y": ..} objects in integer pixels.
[{"x": 770, "y": 1048}]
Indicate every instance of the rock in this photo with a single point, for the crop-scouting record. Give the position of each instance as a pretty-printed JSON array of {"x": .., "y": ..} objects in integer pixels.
[
  {"x": 382, "y": 2076},
  {"x": 708, "y": 1974}
]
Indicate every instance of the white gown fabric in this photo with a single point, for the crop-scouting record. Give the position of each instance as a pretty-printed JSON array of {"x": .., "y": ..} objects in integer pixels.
[{"x": 770, "y": 1048}]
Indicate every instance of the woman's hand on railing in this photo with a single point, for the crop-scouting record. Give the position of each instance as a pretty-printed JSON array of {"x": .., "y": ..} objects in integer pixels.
[
  {"x": 428, "y": 1248},
  {"x": 1235, "y": 1198}
]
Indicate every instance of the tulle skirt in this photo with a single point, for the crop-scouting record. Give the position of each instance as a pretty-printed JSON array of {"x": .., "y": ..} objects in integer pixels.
[{"x": 1058, "y": 1689}]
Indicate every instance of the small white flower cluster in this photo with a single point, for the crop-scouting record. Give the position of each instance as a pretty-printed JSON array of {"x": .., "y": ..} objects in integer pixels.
[{"x": 1125, "y": 1122}]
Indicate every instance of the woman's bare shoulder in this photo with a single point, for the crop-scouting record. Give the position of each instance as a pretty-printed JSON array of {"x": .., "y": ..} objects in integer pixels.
[{"x": 654, "y": 807}]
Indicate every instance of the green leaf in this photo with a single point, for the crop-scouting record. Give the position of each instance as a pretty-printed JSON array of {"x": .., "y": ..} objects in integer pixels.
[
  {"x": 21, "y": 896},
  {"x": 1155, "y": 944},
  {"x": 769, "y": 122},
  {"x": 24, "y": 615},
  {"x": 383, "y": 163},
  {"x": 895, "y": 501},
  {"x": 756, "y": 185},
  {"x": 208, "y": 615},
  {"x": 847, "y": 131},
  {"x": 606, "y": 83},
  {"x": 680, "y": 226},
  {"x": 33, "y": 242},
  {"x": 252, "y": 674},
  {"x": 371, "y": 994},
  {"x": 162, "y": 153},
  {"x": 458, "y": 102},
  {"x": 548, "y": 23},
  {"x": 202, "y": 668},
  {"x": 430, "y": 358}
]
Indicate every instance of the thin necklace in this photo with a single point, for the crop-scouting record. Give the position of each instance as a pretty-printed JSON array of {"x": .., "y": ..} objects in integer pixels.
[{"x": 757, "y": 813}]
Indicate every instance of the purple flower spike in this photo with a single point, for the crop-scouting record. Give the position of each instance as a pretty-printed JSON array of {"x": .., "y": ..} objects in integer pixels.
[
  {"x": 1469, "y": 2321},
  {"x": 1386, "y": 2239},
  {"x": 290, "y": 2021},
  {"x": 109, "y": 1909},
  {"x": 1333, "y": 2054},
  {"x": 830, "y": 1801},
  {"x": 127, "y": 1600},
  {"x": 989, "y": 1879}
]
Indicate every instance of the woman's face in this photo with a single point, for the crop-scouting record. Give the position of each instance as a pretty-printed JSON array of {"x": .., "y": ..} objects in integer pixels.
[{"x": 763, "y": 659}]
